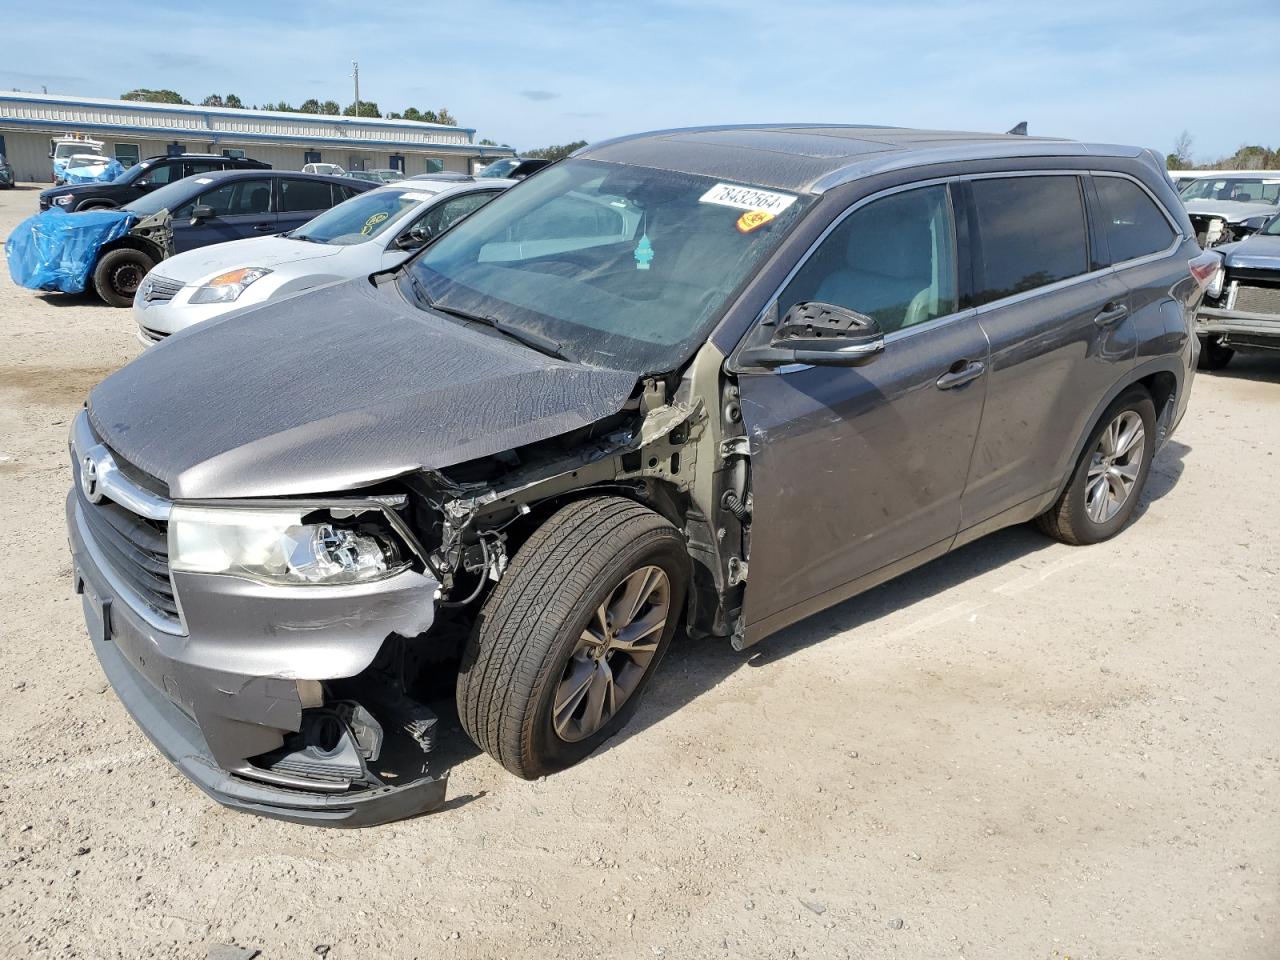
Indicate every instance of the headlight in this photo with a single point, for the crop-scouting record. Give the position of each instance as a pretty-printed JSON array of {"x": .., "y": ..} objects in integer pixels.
[
  {"x": 286, "y": 545},
  {"x": 64, "y": 200},
  {"x": 225, "y": 287}
]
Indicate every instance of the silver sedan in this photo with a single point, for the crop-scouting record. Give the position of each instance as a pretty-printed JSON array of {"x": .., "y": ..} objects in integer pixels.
[{"x": 374, "y": 231}]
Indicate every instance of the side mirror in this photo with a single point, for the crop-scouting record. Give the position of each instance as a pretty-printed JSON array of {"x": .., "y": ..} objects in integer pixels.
[
  {"x": 201, "y": 212},
  {"x": 822, "y": 335},
  {"x": 415, "y": 237}
]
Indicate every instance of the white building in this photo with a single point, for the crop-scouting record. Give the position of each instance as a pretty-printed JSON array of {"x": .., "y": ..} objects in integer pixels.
[{"x": 131, "y": 131}]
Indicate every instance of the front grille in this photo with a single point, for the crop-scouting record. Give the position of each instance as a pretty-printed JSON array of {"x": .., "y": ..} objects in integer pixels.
[
  {"x": 1252, "y": 298},
  {"x": 160, "y": 289},
  {"x": 136, "y": 549},
  {"x": 155, "y": 336}
]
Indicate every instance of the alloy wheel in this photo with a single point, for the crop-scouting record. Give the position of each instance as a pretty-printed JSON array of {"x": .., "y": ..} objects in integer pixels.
[
  {"x": 612, "y": 654},
  {"x": 1114, "y": 467}
]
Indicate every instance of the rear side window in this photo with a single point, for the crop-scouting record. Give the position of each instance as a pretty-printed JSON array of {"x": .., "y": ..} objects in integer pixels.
[
  {"x": 304, "y": 195},
  {"x": 1134, "y": 224},
  {"x": 194, "y": 168},
  {"x": 237, "y": 198},
  {"x": 1032, "y": 233}
]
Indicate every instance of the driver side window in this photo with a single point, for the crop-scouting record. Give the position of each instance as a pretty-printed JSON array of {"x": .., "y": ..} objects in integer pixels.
[
  {"x": 231, "y": 199},
  {"x": 893, "y": 259},
  {"x": 444, "y": 215}
]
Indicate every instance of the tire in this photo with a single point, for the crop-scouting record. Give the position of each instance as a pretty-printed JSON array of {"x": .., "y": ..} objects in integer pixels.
[
  {"x": 1213, "y": 354},
  {"x": 527, "y": 649},
  {"x": 91, "y": 205},
  {"x": 119, "y": 273},
  {"x": 1078, "y": 519}
]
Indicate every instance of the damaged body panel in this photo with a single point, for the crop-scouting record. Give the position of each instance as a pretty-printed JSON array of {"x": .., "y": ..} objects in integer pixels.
[{"x": 676, "y": 382}]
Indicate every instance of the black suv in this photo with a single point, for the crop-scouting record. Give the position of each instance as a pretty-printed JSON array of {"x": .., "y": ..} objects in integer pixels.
[{"x": 147, "y": 175}]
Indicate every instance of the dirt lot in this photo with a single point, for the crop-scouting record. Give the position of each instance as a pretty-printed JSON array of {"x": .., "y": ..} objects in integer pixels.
[{"x": 1023, "y": 750}]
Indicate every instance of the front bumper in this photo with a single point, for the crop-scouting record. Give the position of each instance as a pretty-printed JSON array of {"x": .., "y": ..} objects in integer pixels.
[
  {"x": 1254, "y": 329},
  {"x": 217, "y": 724}
]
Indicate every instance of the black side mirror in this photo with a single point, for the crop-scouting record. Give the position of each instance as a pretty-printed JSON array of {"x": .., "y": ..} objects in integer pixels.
[
  {"x": 822, "y": 335},
  {"x": 201, "y": 212}
]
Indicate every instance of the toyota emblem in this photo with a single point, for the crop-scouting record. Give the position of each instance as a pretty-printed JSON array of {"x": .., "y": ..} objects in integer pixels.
[{"x": 89, "y": 480}]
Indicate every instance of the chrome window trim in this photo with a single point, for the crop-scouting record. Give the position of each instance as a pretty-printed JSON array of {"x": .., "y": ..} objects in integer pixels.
[{"x": 936, "y": 322}]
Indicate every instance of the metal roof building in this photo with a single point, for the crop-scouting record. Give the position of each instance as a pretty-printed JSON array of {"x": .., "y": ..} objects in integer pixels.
[{"x": 132, "y": 130}]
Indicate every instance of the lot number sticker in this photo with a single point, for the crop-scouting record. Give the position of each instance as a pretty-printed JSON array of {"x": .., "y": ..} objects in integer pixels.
[{"x": 747, "y": 198}]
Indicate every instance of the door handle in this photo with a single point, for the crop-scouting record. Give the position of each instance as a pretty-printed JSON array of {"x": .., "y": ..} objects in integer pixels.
[
  {"x": 265, "y": 228},
  {"x": 953, "y": 378},
  {"x": 1111, "y": 314}
]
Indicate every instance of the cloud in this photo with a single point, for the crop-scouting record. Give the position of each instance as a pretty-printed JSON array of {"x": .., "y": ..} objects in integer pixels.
[{"x": 538, "y": 94}]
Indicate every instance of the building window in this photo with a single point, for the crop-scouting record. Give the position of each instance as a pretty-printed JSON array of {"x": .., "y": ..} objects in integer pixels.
[
  {"x": 311, "y": 156},
  {"x": 233, "y": 153},
  {"x": 127, "y": 154},
  {"x": 397, "y": 162},
  {"x": 434, "y": 165},
  {"x": 175, "y": 149}
]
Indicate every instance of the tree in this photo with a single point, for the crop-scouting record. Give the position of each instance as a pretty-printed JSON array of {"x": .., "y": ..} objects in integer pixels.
[
  {"x": 330, "y": 108},
  {"x": 557, "y": 152},
  {"x": 445, "y": 117},
  {"x": 367, "y": 109},
  {"x": 311, "y": 105},
  {"x": 1180, "y": 159},
  {"x": 281, "y": 106},
  {"x": 233, "y": 101},
  {"x": 145, "y": 95},
  {"x": 486, "y": 142},
  {"x": 213, "y": 100}
]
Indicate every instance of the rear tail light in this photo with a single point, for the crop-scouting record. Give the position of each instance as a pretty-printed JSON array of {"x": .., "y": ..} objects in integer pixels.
[{"x": 1205, "y": 268}]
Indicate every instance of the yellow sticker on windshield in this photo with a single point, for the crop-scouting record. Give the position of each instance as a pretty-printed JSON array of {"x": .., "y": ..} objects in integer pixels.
[
  {"x": 753, "y": 220},
  {"x": 372, "y": 222}
]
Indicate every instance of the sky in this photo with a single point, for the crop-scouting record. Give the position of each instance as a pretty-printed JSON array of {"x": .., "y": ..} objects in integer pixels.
[{"x": 537, "y": 73}]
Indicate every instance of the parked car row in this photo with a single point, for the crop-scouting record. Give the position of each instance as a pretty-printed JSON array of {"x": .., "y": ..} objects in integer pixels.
[
  {"x": 111, "y": 250},
  {"x": 375, "y": 231},
  {"x": 708, "y": 379}
]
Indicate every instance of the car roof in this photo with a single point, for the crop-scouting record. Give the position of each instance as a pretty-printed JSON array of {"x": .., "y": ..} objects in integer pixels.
[
  {"x": 445, "y": 186},
  {"x": 811, "y": 157},
  {"x": 255, "y": 174}
]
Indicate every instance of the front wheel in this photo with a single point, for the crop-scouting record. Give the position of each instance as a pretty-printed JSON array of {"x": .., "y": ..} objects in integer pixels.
[
  {"x": 1104, "y": 489},
  {"x": 572, "y": 634},
  {"x": 1214, "y": 354},
  {"x": 119, "y": 273}
]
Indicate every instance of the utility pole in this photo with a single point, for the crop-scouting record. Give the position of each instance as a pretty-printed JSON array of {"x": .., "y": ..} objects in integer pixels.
[{"x": 355, "y": 74}]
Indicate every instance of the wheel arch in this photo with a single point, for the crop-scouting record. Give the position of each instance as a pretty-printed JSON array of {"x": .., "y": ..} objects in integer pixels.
[
  {"x": 129, "y": 242},
  {"x": 1162, "y": 377}
]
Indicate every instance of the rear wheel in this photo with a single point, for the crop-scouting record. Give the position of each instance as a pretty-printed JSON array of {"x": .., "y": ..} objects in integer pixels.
[
  {"x": 572, "y": 634},
  {"x": 119, "y": 273},
  {"x": 1214, "y": 354},
  {"x": 1108, "y": 481}
]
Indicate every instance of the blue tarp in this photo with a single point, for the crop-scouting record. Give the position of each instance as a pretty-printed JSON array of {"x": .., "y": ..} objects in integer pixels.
[
  {"x": 56, "y": 250},
  {"x": 108, "y": 172}
]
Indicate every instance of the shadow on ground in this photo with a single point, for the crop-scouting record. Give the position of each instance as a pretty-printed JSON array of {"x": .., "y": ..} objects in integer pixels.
[{"x": 1262, "y": 366}]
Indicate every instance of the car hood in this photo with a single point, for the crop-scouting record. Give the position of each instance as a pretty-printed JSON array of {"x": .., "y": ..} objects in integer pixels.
[
  {"x": 1258, "y": 252},
  {"x": 334, "y": 390},
  {"x": 253, "y": 252},
  {"x": 1233, "y": 211}
]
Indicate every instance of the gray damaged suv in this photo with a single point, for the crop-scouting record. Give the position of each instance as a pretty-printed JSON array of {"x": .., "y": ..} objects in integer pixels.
[{"x": 710, "y": 379}]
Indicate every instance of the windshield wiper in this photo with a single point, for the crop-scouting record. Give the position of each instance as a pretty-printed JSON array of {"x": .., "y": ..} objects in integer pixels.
[{"x": 534, "y": 341}]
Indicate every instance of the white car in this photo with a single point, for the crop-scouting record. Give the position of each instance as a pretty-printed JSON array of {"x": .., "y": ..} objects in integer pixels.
[
  {"x": 326, "y": 169},
  {"x": 373, "y": 231}
]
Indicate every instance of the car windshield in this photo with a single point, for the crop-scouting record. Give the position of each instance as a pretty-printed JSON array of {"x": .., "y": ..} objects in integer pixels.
[
  {"x": 361, "y": 218},
  {"x": 499, "y": 168},
  {"x": 1272, "y": 228},
  {"x": 64, "y": 150},
  {"x": 1240, "y": 189},
  {"x": 617, "y": 265},
  {"x": 170, "y": 196},
  {"x": 77, "y": 162}
]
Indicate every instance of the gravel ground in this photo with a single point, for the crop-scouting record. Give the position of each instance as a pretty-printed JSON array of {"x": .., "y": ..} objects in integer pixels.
[{"x": 1022, "y": 750}]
